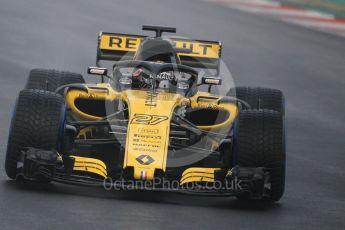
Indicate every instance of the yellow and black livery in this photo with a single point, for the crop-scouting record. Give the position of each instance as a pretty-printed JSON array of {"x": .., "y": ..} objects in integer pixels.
[{"x": 151, "y": 122}]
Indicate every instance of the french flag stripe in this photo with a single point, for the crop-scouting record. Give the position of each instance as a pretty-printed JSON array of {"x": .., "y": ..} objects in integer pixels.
[{"x": 143, "y": 175}]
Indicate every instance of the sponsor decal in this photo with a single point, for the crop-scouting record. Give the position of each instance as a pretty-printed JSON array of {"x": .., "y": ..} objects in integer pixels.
[
  {"x": 124, "y": 43},
  {"x": 148, "y": 131},
  {"x": 198, "y": 48},
  {"x": 130, "y": 43},
  {"x": 145, "y": 159},
  {"x": 166, "y": 76}
]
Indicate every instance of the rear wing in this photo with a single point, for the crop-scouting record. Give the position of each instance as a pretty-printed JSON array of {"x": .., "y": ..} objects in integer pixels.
[{"x": 203, "y": 54}]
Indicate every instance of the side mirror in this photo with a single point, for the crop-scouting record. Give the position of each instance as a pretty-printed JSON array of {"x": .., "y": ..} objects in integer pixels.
[
  {"x": 211, "y": 81},
  {"x": 97, "y": 71}
]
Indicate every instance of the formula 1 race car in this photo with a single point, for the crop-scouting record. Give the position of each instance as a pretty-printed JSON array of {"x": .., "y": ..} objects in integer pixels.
[{"x": 151, "y": 123}]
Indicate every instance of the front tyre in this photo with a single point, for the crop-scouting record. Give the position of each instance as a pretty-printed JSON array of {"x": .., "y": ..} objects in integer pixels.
[
  {"x": 260, "y": 98},
  {"x": 50, "y": 80},
  {"x": 38, "y": 122},
  {"x": 260, "y": 142}
]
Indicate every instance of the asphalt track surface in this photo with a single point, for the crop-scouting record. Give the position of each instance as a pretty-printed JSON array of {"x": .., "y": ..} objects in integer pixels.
[{"x": 308, "y": 66}]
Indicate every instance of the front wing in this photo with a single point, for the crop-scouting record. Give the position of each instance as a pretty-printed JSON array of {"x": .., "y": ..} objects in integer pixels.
[{"x": 93, "y": 172}]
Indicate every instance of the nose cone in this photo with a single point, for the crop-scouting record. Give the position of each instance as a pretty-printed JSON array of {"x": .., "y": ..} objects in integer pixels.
[{"x": 148, "y": 131}]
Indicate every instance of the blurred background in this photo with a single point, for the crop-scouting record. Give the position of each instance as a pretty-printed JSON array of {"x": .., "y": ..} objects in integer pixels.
[{"x": 336, "y": 7}]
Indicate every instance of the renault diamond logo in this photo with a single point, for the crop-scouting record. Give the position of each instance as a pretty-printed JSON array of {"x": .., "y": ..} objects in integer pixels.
[{"x": 145, "y": 159}]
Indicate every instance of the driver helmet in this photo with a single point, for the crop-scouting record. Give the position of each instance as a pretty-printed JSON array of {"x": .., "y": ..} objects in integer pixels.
[{"x": 164, "y": 84}]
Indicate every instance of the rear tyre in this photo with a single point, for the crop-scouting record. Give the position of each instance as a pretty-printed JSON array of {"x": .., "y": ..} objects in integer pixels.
[
  {"x": 260, "y": 98},
  {"x": 260, "y": 142},
  {"x": 38, "y": 122},
  {"x": 50, "y": 80}
]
